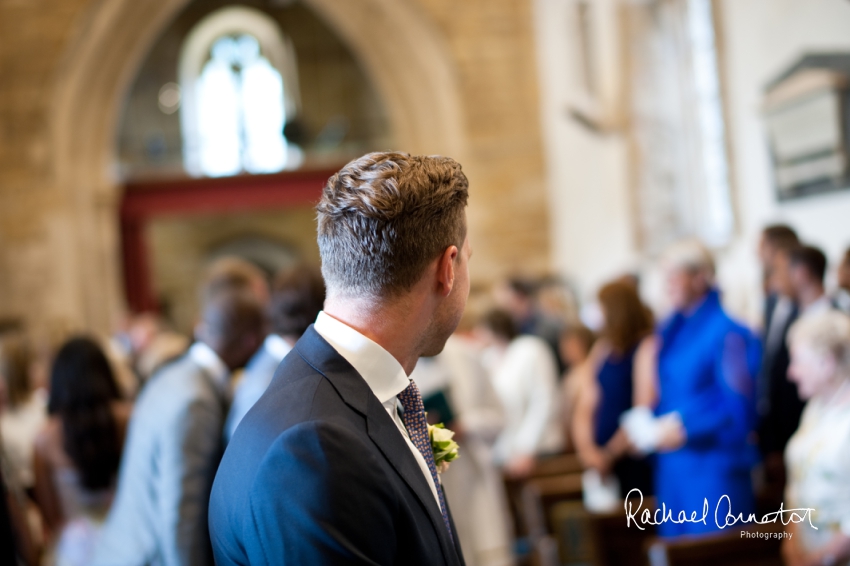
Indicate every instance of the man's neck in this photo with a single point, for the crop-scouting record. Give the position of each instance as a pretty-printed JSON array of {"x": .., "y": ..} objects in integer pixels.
[
  {"x": 807, "y": 296},
  {"x": 396, "y": 326}
]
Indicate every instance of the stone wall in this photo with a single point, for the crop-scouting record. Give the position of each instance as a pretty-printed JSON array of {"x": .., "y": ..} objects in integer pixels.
[
  {"x": 34, "y": 212},
  {"x": 457, "y": 77}
]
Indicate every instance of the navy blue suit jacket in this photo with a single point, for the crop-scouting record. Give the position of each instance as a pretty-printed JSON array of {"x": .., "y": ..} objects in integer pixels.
[{"x": 318, "y": 473}]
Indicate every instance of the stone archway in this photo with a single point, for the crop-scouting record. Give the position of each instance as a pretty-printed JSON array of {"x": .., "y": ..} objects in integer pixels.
[{"x": 402, "y": 53}]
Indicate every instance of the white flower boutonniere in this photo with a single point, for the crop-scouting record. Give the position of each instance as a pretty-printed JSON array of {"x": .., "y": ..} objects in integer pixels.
[{"x": 445, "y": 449}]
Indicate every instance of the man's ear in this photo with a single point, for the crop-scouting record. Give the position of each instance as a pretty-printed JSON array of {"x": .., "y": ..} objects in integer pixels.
[{"x": 446, "y": 270}]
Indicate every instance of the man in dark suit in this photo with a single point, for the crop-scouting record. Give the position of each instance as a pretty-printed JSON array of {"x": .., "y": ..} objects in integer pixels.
[
  {"x": 779, "y": 405},
  {"x": 333, "y": 464}
]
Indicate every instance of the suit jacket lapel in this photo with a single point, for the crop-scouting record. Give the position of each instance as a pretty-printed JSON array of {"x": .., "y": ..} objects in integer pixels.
[
  {"x": 380, "y": 427},
  {"x": 386, "y": 436}
]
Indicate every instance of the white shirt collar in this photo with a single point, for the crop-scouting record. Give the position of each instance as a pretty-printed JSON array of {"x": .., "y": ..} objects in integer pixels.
[
  {"x": 381, "y": 371},
  {"x": 276, "y": 346},
  {"x": 823, "y": 304},
  {"x": 206, "y": 357}
]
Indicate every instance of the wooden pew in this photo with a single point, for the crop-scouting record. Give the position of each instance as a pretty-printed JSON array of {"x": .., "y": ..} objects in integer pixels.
[
  {"x": 726, "y": 548},
  {"x": 537, "y": 497}
]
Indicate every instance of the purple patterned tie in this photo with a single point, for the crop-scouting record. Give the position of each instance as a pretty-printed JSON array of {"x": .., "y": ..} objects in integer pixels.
[{"x": 417, "y": 428}]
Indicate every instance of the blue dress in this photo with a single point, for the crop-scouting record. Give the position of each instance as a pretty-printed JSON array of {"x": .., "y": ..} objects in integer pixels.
[
  {"x": 615, "y": 388},
  {"x": 706, "y": 367}
]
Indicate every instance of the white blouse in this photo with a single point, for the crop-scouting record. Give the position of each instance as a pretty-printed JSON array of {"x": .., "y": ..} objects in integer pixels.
[
  {"x": 525, "y": 377},
  {"x": 818, "y": 463}
]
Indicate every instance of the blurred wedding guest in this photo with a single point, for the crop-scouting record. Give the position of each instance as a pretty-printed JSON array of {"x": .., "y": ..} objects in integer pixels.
[
  {"x": 297, "y": 298},
  {"x": 124, "y": 347},
  {"x": 556, "y": 300},
  {"x": 818, "y": 455},
  {"x": 22, "y": 407},
  {"x": 143, "y": 345},
  {"x": 808, "y": 268},
  {"x": 18, "y": 545},
  {"x": 707, "y": 365},
  {"x": 778, "y": 403},
  {"x": 174, "y": 443},
  {"x": 575, "y": 345},
  {"x": 518, "y": 297},
  {"x": 618, "y": 375},
  {"x": 525, "y": 376},
  {"x": 842, "y": 294},
  {"x": 232, "y": 272},
  {"x": 78, "y": 451},
  {"x": 472, "y": 484},
  {"x": 166, "y": 346},
  {"x": 773, "y": 238}
]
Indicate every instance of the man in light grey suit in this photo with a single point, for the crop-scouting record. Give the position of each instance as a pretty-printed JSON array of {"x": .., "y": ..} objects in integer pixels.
[{"x": 174, "y": 444}]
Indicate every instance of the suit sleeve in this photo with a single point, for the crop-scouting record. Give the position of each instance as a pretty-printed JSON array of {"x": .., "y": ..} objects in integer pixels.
[
  {"x": 725, "y": 414},
  {"x": 189, "y": 458},
  {"x": 320, "y": 497}
]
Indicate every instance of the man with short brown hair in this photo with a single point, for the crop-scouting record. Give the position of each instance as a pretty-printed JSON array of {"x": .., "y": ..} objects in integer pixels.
[{"x": 334, "y": 465}]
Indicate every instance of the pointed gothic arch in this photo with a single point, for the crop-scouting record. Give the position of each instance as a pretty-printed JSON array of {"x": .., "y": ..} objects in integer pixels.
[{"x": 402, "y": 51}]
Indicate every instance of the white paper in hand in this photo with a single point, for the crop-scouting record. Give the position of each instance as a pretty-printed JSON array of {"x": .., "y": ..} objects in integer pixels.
[
  {"x": 642, "y": 429},
  {"x": 600, "y": 494}
]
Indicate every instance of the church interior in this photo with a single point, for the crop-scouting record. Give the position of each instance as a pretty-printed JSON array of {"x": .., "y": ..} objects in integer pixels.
[{"x": 142, "y": 144}]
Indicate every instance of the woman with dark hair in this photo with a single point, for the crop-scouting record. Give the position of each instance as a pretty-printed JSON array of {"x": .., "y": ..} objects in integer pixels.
[
  {"x": 615, "y": 378},
  {"x": 78, "y": 450}
]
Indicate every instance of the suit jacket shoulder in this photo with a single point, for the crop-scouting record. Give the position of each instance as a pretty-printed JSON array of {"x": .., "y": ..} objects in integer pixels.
[{"x": 317, "y": 473}]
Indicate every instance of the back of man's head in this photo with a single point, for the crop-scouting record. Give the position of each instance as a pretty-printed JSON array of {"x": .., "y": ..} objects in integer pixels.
[
  {"x": 231, "y": 272},
  {"x": 297, "y": 297},
  {"x": 811, "y": 259},
  {"x": 780, "y": 235},
  {"x": 384, "y": 217},
  {"x": 233, "y": 325}
]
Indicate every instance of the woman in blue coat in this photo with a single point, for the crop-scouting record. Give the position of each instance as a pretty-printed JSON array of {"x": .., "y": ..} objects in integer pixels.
[{"x": 707, "y": 365}]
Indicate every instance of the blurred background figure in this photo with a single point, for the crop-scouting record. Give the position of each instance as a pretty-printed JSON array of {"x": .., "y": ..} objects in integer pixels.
[
  {"x": 18, "y": 541},
  {"x": 297, "y": 297},
  {"x": 556, "y": 300},
  {"x": 518, "y": 297},
  {"x": 619, "y": 375},
  {"x": 778, "y": 403},
  {"x": 142, "y": 346},
  {"x": 807, "y": 270},
  {"x": 175, "y": 441},
  {"x": 78, "y": 450},
  {"x": 231, "y": 272},
  {"x": 456, "y": 386},
  {"x": 707, "y": 365},
  {"x": 842, "y": 294},
  {"x": 574, "y": 346},
  {"x": 818, "y": 455},
  {"x": 22, "y": 408},
  {"x": 774, "y": 238},
  {"x": 525, "y": 376}
]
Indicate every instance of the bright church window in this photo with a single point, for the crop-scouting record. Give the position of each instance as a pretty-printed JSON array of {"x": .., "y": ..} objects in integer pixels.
[
  {"x": 240, "y": 108},
  {"x": 240, "y": 85}
]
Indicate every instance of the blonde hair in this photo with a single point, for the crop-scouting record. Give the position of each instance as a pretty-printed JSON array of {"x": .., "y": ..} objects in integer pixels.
[
  {"x": 827, "y": 333},
  {"x": 691, "y": 255}
]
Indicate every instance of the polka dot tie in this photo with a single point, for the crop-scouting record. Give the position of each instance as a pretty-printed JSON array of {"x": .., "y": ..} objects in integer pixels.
[{"x": 417, "y": 428}]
